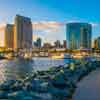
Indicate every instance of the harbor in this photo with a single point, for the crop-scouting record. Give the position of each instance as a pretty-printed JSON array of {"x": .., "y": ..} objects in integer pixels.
[
  {"x": 49, "y": 50},
  {"x": 42, "y": 79}
]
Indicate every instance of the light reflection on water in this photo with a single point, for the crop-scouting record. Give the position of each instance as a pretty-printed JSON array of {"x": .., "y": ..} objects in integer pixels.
[{"x": 20, "y": 68}]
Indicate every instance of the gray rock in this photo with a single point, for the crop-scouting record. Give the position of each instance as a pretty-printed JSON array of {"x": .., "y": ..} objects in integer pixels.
[{"x": 18, "y": 95}]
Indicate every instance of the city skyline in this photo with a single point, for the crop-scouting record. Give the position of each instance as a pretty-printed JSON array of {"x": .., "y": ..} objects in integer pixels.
[
  {"x": 50, "y": 17},
  {"x": 37, "y": 26}
]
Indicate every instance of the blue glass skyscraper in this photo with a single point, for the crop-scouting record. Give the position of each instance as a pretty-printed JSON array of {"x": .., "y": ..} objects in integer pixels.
[{"x": 79, "y": 35}]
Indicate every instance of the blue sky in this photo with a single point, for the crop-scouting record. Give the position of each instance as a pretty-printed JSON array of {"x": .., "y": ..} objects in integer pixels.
[{"x": 59, "y": 11}]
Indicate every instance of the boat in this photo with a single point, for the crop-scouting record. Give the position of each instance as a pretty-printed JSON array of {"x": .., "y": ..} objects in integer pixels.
[
  {"x": 2, "y": 57},
  {"x": 9, "y": 56},
  {"x": 77, "y": 56},
  {"x": 61, "y": 56},
  {"x": 27, "y": 56}
]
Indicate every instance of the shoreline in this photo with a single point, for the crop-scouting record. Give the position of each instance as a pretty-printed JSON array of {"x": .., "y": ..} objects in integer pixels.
[
  {"x": 56, "y": 83},
  {"x": 80, "y": 81},
  {"x": 87, "y": 86}
]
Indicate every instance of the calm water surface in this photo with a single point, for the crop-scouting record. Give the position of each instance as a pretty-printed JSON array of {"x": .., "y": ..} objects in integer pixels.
[{"x": 20, "y": 68}]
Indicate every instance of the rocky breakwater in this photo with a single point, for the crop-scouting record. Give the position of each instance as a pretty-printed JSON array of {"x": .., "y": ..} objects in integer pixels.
[{"x": 57, "y": 83}]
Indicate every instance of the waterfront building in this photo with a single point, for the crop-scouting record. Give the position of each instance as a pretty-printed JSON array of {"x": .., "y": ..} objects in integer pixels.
[
  {"x": 35, "y": 44},
  {"x": 9, "y": 36},
  {"x": 57, "y": 44},
  {"x": 47, "y": 45},
  {"x": 97, "y": 43},
  {"x": 39, "y": 42},
  {"x": 64, "y": 44},
  {"x": 22, "y": 32},
  {"x": 79, "y": 35}
]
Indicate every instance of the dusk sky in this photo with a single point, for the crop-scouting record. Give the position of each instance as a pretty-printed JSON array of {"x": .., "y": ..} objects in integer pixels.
[{"x": 52, "y": 15}]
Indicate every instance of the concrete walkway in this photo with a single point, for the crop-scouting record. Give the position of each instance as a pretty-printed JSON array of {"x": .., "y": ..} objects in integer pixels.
[{"x": 89, "y": 87}]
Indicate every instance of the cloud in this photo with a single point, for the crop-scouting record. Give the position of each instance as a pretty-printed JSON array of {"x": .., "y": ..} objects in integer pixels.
[
  {"x": 52, "y": 31},
  {"x": 95, "y": 24},
  {"x": 2, "y": 26},
  {"x": 49, "y": 31},
  {"x": 34, "y": 37},
  {"x": 46, "y": 25}
]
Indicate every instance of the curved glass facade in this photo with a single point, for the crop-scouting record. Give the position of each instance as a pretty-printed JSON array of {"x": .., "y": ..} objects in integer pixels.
[{"x": 79, "y": 35}]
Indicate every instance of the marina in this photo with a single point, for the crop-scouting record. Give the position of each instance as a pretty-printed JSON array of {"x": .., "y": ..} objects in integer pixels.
[{"x": 49, "y": 50}]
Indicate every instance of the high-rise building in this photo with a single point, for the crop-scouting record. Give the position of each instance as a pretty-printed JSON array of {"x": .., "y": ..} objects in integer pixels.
[
  {"x": 47, "y": 45},
  {"x": 79, "y": 35},
  {"x": 22, "y": 32},
  {"x": 57, "y": 44},
  {"x": 38, "y": 43},
  {"x": 64, "y": 44},
  {"x": 97, "y": 43},
  {"x": 9, "y": 36}
]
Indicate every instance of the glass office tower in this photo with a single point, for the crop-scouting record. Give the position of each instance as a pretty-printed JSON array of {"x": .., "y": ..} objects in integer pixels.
[{"x": 79, "y": 35}]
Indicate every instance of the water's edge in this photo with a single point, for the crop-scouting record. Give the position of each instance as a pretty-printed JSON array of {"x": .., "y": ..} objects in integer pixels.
[
  {"x": 57, "y": 83},
  {"x": 81, "y": 81}
]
